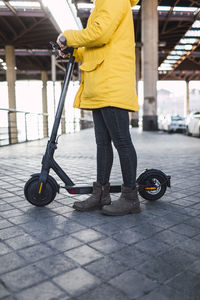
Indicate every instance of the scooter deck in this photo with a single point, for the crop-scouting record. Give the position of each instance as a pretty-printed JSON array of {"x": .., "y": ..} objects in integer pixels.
[{"x": 89, "y": 189}]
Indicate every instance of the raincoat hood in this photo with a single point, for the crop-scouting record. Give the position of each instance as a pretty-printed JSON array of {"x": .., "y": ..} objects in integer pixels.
[{"x": 134, "y": 2}]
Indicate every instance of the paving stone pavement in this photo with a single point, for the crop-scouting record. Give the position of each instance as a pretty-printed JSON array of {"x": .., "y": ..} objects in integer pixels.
[{"x": 57, "y": 253}]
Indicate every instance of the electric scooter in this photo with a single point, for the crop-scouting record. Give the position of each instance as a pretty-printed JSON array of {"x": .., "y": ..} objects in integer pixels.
[{"x": 41, "y": 188}]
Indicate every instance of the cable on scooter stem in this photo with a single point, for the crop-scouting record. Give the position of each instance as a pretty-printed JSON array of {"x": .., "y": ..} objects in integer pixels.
[{"x": 69, "y": 69}]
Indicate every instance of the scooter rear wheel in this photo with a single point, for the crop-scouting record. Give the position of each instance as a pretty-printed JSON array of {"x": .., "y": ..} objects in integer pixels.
[
  {"x": 31, "y": 191},
  {"x": 152, "y": 185}
]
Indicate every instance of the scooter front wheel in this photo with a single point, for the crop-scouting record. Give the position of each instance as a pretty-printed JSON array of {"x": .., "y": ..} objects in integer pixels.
[{"x": 35, "y": 196}]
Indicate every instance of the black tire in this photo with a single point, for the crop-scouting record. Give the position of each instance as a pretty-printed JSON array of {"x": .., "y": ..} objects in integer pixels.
[
  {"x": 187, "y": 132},
  {"x": 152, "y": 178},
  {"x": 31, "y": 192}
]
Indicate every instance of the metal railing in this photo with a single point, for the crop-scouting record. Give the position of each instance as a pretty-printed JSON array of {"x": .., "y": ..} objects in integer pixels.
[{"x": 21, "y": 126}]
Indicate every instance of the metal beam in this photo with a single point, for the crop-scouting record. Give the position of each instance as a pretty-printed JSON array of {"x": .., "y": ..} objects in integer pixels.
[
  {"x": 23, "y": 13},
  {"x": 176, "y": 31},
  {"x": 30, "y": 72},
  {"x": 3, "y": 36},
  {"x": 61, "y": 67},
  {"x": 169, "y": 16},
  {"x": 188, "y": 53},
  {"x": 28, "y": 29},
  {"x": 36, "y": 35},
  {"x": 38, "y": 62},
  {"x": 175, "y": 16},
  {"x": 166, "y": 52},
  {"x": 194, "y": 60},
  {"x": 176, "y": 75},
  {"x": 30, "y": 42},
  {"x": 11, "y": 8},
  {"x": 181, "y": 75},
  {"x": 7, "y": 24},
  {"x": 29, "y": 52}
]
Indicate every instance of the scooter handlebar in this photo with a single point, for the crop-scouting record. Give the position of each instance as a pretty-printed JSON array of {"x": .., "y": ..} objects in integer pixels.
[{"x": 56, "y": 46}]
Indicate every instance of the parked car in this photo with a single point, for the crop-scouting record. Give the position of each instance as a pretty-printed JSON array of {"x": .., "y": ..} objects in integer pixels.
[
  {"x": 174, "y": 124},
  {"x": 161, "y": 121},
  {"x": 193, "y": 124}
]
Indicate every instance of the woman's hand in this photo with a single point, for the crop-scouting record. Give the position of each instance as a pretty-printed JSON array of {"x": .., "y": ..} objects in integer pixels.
[{"x": 62, "y": 47}]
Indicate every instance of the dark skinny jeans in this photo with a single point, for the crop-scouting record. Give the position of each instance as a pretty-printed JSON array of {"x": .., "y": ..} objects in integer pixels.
[{"x": 112, "y": 124}]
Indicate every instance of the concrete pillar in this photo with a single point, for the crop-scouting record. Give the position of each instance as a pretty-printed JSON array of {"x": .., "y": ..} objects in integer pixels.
[
  {"x": 82, "y": 122},
  {"x": 44, "y": 78},
  {"x": 187, "y": 98},
  {"x": 53, "y": 78},
  {"x": 11, "y": 78},
  {"x": 150, "y": 62},
  {"x": 135, "y": 115},
  {"x": 63, "y": 124}
]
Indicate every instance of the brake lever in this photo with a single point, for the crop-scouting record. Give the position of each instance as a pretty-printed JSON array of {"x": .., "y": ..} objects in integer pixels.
[{"x": 55, "y": 46}]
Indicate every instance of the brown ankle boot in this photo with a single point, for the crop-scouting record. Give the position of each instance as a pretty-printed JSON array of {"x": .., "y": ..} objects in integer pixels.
[
  {"x": 128, "y": 203},
  {"x": 100, "y": 197}
]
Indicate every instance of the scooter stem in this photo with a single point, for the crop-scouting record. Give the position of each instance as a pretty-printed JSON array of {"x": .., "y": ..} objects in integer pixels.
[{"x": 61, "y": 103}]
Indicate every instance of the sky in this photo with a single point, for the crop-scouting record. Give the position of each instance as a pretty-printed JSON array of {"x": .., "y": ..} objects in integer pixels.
[{"x": 63, "y": 14}]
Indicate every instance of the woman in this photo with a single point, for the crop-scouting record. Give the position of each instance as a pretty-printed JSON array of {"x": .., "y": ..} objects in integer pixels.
[{"x": 106, "y": 48}]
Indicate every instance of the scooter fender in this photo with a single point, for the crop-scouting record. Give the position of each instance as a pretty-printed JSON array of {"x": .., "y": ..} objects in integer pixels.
[
  {"x": 51, "y": 180},
  {"x": 153, "y": 171}
]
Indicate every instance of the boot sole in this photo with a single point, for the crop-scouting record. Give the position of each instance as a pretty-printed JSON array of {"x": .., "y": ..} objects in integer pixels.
[
  {"x": 88, "y": 209},
  {"x": 120, "y": 214}
]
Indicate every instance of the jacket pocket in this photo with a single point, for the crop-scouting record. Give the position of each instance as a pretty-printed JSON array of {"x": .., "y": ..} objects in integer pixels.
[
  {"x": 93, "y": 78},
  {"x": 91, "y": 65}
]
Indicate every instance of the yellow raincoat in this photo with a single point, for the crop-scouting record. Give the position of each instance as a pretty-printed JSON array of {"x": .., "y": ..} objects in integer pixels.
[{"x": 106, "y": 49}]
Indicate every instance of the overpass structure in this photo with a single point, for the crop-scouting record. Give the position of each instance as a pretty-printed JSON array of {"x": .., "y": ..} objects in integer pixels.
[
  {"x": 26, "y": 28},
  {"x": 167, "y": 46},
  {"x": 167, "y": 37}
]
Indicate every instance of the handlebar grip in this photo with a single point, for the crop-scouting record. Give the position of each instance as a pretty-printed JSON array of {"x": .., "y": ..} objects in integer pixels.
[
  {"x": 56, "y": 47},
  {"x": 62, "y": 40},
  {"x": 68, "y": 50}
]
